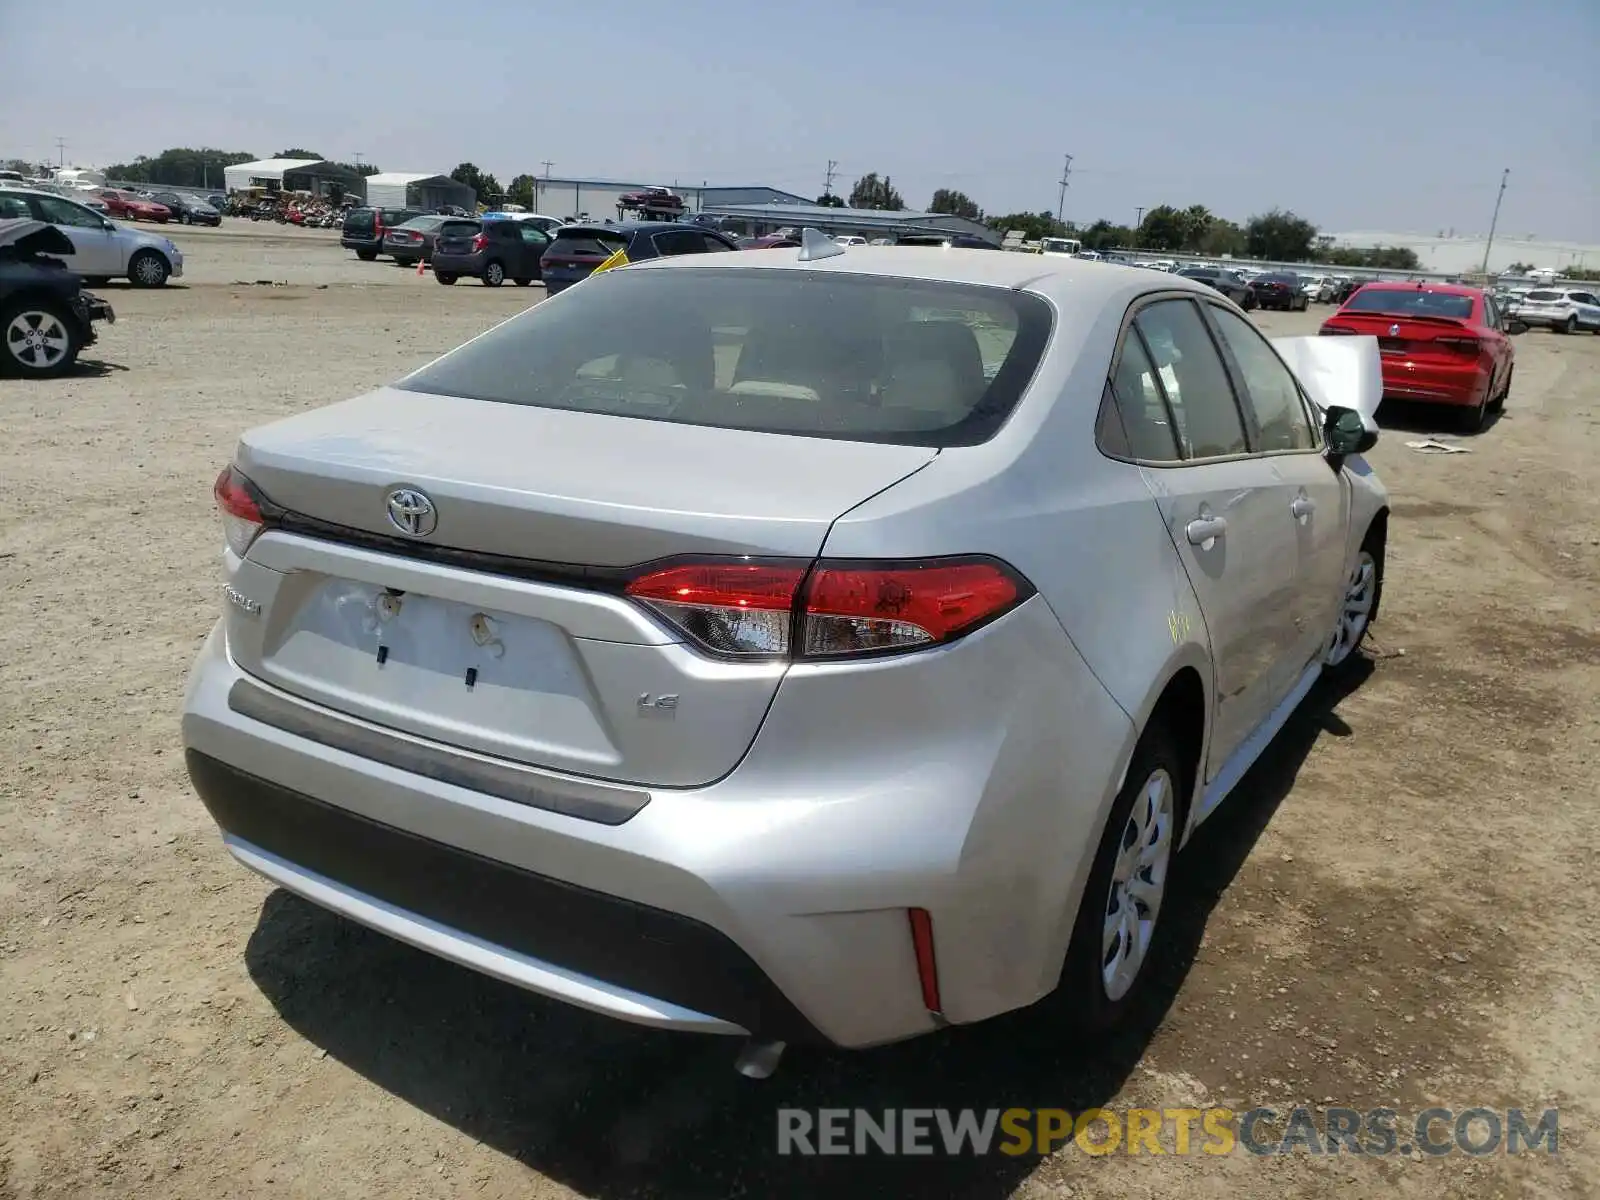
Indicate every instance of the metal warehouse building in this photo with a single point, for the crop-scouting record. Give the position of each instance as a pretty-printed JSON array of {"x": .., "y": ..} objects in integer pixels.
[
  {"x": 759, "y": 219},
  {"x": 597, "y": 198},
  {"x": 416, "y": 189},
  {"x": 293, "y": 175}
]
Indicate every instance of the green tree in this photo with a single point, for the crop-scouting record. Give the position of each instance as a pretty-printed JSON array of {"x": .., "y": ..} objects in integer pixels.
[
  {"x": 872, "y": 192},
  {"x": 1033, "y": 225},
  {"x": 1103, "y": 236},
  {"x": 179, "y": 167},
  {"x": 486, "y": 186},
  {"x": 829, "y": 200},
  {"x": 522, "y": 191},
  {"x": 1163, "y": 228},
  {"x": 957, "y": 204},
  {"x": 1197, "y": 220},
  {"x": 298, "y": 153},
  {"x": 1222, "y": 238},
  {"x": 1280, "y": 236}
]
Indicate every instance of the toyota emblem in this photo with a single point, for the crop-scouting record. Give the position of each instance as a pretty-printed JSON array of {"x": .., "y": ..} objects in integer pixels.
[
  {"x": 1394, "y": 331},
  {"x": 411, "y": 512}
]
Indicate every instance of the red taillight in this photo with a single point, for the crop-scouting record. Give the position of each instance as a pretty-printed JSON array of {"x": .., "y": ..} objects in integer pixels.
[
  {"x": 242, "y": 521},
  {"x": 1464, "y": 344},
  {"x": 480, "y": 241},
  {"x": 836, "y": 609},
  {"x": 927, "y": 965}
]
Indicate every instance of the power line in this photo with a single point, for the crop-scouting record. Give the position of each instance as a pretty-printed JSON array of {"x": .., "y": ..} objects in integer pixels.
[{"x": 1061, "y": 201}]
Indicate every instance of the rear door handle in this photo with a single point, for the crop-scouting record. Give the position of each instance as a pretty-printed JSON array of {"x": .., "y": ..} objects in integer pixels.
[
  {"x": 1302, "y": 507},
  {"x": 1205, "y": 529}
]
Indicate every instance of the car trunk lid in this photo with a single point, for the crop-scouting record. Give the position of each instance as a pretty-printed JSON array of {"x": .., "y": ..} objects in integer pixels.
[
  {"x": 1411, "y": 335},
  {"x": 502, "y": 630}
]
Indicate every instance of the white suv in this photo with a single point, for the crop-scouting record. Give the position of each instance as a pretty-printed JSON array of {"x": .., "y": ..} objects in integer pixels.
[
  {"x": 1566, "y": 309},
  {"x": 102, "y": 249}
]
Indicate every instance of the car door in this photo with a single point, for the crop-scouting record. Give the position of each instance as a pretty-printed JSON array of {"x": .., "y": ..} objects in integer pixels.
[
  {"x": 1311, "y": 498},
  {"x": 532, "y": 242},
  {"x": 97, "y": 249},
  {"x": 1222, "y": 511},
  {"x": 1589, "y": 309},
  {"x": 1494, "y": 335},
  {"x": 679, "y": 241}
]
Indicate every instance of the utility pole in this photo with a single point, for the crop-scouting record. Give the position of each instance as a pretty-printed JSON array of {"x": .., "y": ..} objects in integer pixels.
[
  {"x": 547, "y": 164},
  {"x": 1495, "y": 220},
  {"x": 61, "y": 149},
  {"x": 827, "y": 183},
  {"x": 1061, "y": 200},
  {"x": 1138, "y": 224}
]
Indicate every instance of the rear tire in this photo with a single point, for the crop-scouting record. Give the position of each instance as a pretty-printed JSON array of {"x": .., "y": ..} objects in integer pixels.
[
  {"x": 447, "y": 279},
  {"x": 38, "y": 339},
  {"x": 1570, "y": 325},
  {"x": 1363, "y": 590},
  {"x": 1471, "y": 420},
  {"x": 1106, "y": 974},
  {"x": 366, "y": 255},
  {"x": 493, "y": 274},
  {"x": 522, "y": 282},
  {"x": 1499, "y": 402}
]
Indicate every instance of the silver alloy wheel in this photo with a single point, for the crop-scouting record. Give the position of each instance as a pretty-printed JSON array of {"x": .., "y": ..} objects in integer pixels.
[
  {"x": 1355, "y": 610},
  {"x": 1138, "y": 882},
  {"x": 149, "y": 269},
  {"x": 494, "y": 275},
  {"x": 38, "y": 340}
]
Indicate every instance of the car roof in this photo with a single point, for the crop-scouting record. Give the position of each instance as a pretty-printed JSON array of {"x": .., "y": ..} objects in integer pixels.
[{"x": 633, "y": 227}]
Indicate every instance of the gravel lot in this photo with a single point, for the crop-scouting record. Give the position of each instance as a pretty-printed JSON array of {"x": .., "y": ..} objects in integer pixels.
[{"x": 1398, "y": 907}]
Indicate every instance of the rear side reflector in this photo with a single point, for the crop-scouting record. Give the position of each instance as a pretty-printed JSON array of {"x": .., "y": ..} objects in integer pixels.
[
  {"x": 742, "y": 608},
  {"x": 927, "y": 965},
  {"x": 236, "y": 498}
]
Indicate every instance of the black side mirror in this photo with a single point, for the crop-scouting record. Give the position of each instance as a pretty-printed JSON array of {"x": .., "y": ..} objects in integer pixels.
[{"x": 1347, "y": 433}]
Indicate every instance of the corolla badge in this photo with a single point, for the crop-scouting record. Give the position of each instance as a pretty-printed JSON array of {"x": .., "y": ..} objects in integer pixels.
[{"x": 411, "y": 512}]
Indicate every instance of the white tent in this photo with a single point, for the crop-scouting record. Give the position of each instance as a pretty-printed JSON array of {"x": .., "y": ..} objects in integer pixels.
[{"x": 242, "y": 175}]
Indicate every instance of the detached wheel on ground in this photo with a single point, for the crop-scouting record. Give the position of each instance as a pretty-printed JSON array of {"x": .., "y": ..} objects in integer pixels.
[
  {"x": 1106, "y": 974},
  {"x": 148, "y": 269},
  {"x": 40, "y": 339},
  {"x": 445, "y": 278},
  {"x": 493, "y": 275}
]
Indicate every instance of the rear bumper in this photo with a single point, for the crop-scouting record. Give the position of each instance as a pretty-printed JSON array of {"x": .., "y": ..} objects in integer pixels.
[
  {"x": 459, "y": 264},
  {"x": 355, "y": 243},
  {"x": 970, "y": 781},
  {"x": 1547, "y": 320},
  {"x": 1436, "y": 383}
]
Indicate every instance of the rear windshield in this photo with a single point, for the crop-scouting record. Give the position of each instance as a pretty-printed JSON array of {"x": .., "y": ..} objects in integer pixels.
[
  {"x": 588, "y": 244},
  {"x": 422, "y": 224},
  {"x": 815, "y": 354},
  {"x": 459, "y": 228},
  {"x": 1406, "y": 301},
  {"x": 359, "y": 219},
  {"x": 1543, "y": 295}
]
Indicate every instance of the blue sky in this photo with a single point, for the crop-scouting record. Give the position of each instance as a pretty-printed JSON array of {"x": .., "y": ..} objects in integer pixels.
[{"x": 1361, "y": 114}]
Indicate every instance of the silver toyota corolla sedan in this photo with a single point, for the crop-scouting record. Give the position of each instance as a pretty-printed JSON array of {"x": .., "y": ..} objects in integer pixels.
[{"x": 812, "y": 644}]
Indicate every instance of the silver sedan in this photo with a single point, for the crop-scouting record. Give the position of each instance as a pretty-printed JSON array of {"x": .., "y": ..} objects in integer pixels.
[{"x": 805, "y": 644}]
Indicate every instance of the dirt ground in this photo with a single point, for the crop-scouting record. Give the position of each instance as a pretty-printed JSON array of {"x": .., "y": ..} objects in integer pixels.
[{"x": 1397, "y": 908}]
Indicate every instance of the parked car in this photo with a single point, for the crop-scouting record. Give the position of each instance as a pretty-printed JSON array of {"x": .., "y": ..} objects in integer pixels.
[
  {"x": 492, "y": 252},
  {"x": 774, "y": 241},
  {"x": 1226, "y": 282},
  {"x": 652, "y": 199},
  {"x": 1565, "y": 310},
  {"x": 784, "y": 648},
  {"x": 101, "y": 249},
  {"x": 1279, "y": 289},
  {"x": 849, "y": 239},
  {"x": 414, "y": 241},
  {"x": 1319, "y": 289},
  {"x": 1348, "y": 288},
  {"x": 46, "y": 318},
  {"x": 578, "y": 249},
  {"x": 364, "y": 227},
  {"x": 1440, "y": 344},
  {"x": 958, "y": 240},
  {"x": 187, "y": 210},
  {"x": 130, "y": 206}
]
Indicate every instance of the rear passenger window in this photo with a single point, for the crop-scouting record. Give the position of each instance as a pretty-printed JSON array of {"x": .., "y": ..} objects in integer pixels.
[
  {"x": 680, "y": 241},
  {"x": 1145, "y": 426},
  {"x": 1273, "y": 393},
  {"x": 1186, "y": 361}
]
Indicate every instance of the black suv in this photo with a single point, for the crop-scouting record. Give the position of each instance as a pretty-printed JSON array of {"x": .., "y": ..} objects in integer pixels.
[
  {"x": 579, "y": 249},
  {"x": 364, "y": 228},
  {"x": 492, "y": 251}
]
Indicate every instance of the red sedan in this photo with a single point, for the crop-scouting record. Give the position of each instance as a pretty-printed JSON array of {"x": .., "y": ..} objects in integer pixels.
[
  {"x": 1440, "y": 343},
  {"x": 134, "y": 208}
]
